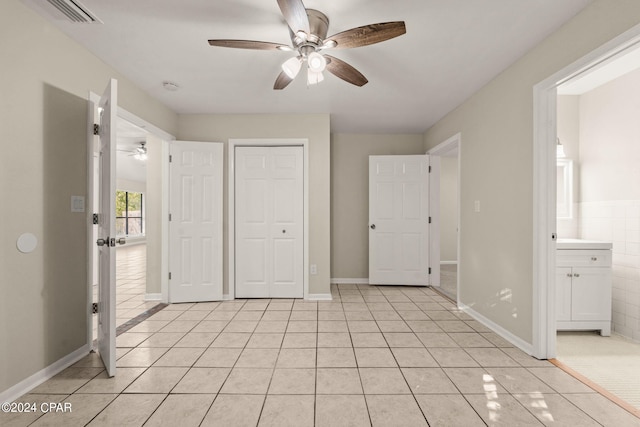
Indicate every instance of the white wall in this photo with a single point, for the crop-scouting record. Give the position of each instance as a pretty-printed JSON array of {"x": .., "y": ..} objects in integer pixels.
[
  {"x": 568, "y": 130},
  {"x": 449, "y": 209},
  {"x": 314, "y": 127},
  {"x": 496, "y": 123},
  {"x": 43, "y": 133},
  {"x": 610, "y": 190},
  {"x": 350, "y": 196}
]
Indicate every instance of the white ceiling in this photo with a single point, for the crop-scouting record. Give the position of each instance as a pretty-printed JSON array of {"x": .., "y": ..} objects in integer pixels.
[
  {"x": 451, "y": 49},
  {"x": 127, "y": 166}
]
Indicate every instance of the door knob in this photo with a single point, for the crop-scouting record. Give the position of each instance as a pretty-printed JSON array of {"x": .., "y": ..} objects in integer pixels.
[
  {"x": 101, "y": 242},
  {"x": 373, "y": 226}
]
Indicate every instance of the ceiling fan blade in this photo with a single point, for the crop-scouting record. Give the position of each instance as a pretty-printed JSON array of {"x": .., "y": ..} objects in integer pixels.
[
  {"x": 282, "y": 81},
  {"x": 295, "y": 14},
  {"x": 249, "y": 44},
  {"x": 346, "y": 72},
  {"x": 368, "y": 34}
]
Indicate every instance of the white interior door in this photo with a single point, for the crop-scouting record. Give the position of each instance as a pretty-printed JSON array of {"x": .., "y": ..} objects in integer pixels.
[
  {"x": 269, "y": 214},
  {"x": 399, "y": 220},
  {"x": 195, "y": 236},
  {"x": 107, "y": 229}
]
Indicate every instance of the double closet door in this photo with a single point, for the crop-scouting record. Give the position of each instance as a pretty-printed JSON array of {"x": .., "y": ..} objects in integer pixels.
[{"x": 269, "y": 215}]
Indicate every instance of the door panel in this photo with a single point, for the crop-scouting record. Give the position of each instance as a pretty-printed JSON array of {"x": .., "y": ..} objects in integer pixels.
[
  {"x": 398, "y": 220},
  {"x": 107, "y": 229},
  {"x": 269, "y": 210},
  {"x": 591, "y": 300},
  {"x": 196, "y": 222}
]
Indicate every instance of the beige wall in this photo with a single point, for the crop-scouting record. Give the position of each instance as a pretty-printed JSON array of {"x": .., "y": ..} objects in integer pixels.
[
  {"x": 43, "y": 132},
  {"x": 350, "y": 196},
  {"x": 315, "y": 128},
  {"x": 449, "y": 209},
  {"x": 496, "y": 123}
]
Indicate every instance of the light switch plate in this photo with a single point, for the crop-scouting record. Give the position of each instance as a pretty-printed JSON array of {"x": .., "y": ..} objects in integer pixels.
[{"x": 77, "y": 203}]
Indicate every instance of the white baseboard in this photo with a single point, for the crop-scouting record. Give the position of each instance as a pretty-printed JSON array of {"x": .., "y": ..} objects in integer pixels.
[
  {"x": 513, "y": 339},
  {"x": 351, "y": 281},
  {"x": 319, "y": 297},
  {"x": 448, "y": 262},
  {"x": 41, "y": 376},
  {"x": 153, "y": 297}
]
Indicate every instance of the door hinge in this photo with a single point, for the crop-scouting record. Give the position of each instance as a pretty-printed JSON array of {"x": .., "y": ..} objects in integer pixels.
[
  {"x": 429, "y": 270},
  {"x": 94, "y": 308},
  {"x": 169, "y": 217},
  {"x": 96, "y": 129},
  {"x": 96, "y": 219},
  {"x": 170, "y": 158},
  {"x": 429, "y": 220},
  {"x": 429, "y": 168},
  {"x": 169, "y": 275}
]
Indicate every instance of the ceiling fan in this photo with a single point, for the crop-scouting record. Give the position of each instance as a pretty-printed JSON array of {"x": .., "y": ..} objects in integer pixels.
[
  {"x": 139, "y": 152},
  {"x": 308, "y": 31}
]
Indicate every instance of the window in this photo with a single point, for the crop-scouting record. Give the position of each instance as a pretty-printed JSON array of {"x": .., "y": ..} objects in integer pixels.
[{"x": 129, "y": 214}]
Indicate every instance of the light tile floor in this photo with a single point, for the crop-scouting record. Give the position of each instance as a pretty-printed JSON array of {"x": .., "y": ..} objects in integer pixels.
[
  {"x": 131, "y": 282},
  {"x": 381, "y": 356}
]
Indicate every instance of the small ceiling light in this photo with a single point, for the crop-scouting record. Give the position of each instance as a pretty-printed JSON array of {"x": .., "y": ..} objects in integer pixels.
[
  {"x": 292, "y": 66},
  {"x": 170, "y": 86},
  {"x": 560, "y": 150},
  {"x": 328, "y": 44},
  {"x": 313, "y": 77},
  {"x": 317, "y": 63},
  {"x": 140, "y": 153}
]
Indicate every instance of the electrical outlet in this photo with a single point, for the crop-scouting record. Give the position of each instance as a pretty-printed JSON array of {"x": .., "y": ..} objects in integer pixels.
[{"x": 313, "y": 269}]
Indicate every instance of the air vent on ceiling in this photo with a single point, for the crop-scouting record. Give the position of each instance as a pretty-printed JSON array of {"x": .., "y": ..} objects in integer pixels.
[{"x": 71, "y": 10}]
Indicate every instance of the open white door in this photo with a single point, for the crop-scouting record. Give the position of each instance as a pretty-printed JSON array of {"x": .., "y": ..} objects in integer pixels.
[
  {"x": 399, "y": 220},
  {"x": 195, "y": 227},
  {"x": 107, "y": 229}
]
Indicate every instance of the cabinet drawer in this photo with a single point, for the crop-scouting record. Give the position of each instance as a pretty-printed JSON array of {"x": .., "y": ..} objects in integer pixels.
[{"x": 583, "y": 258}]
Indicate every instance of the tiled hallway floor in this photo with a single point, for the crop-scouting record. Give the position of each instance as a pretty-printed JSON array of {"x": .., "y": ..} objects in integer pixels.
[
  {"x": 131, "y": 282},
  {"x": 382, "y": 356}
]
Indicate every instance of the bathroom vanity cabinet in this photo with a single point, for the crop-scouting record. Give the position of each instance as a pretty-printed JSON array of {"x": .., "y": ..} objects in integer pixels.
[{"x": 583, "y": 285}]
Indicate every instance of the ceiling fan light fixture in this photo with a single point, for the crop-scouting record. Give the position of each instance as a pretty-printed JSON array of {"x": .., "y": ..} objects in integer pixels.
[
  {"x": 292, "y": 66},
  {"x": 317, "y": 63},
  {"x": 328, "y": 44},
  {"x": 314, "y": 77}
]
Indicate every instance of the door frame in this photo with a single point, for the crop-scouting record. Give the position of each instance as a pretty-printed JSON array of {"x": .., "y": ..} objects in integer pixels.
[
  {"x": 93, "y": 101},
  {"x": 266, "y": 142},
  {"x": 452, "y": 143},
  {"x": 544, "y": 185}
]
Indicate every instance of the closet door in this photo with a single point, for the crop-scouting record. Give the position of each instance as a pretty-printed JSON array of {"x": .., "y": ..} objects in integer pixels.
[{"x": 269, "y": 222}]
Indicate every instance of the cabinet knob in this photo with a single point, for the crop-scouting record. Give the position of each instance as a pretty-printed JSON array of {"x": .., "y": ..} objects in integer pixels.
[
  {"x": 593, "y": 258},
  {"x": 576, "y": 275},
  {"x": 569, "y": 274}
]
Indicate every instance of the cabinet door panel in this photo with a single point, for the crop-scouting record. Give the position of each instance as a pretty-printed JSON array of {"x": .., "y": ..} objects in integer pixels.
[
  {"x": 591, "y": 294},
  {"x": 563, "y": 293}
]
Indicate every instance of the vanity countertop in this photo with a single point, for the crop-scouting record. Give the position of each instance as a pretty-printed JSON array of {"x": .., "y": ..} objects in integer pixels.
[{"x": 582, "y": 244}]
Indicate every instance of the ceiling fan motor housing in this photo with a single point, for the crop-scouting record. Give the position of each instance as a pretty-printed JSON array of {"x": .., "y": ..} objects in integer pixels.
[{"x": 318, "y": 27}]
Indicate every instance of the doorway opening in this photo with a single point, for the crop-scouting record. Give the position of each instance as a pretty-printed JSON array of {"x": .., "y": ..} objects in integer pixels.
[
  {"x": 557, "y": 213},
  {"x": 445, "y": 234},
  {"x": 597, "y": 129},
  {"x": 131, "y": 209}
]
